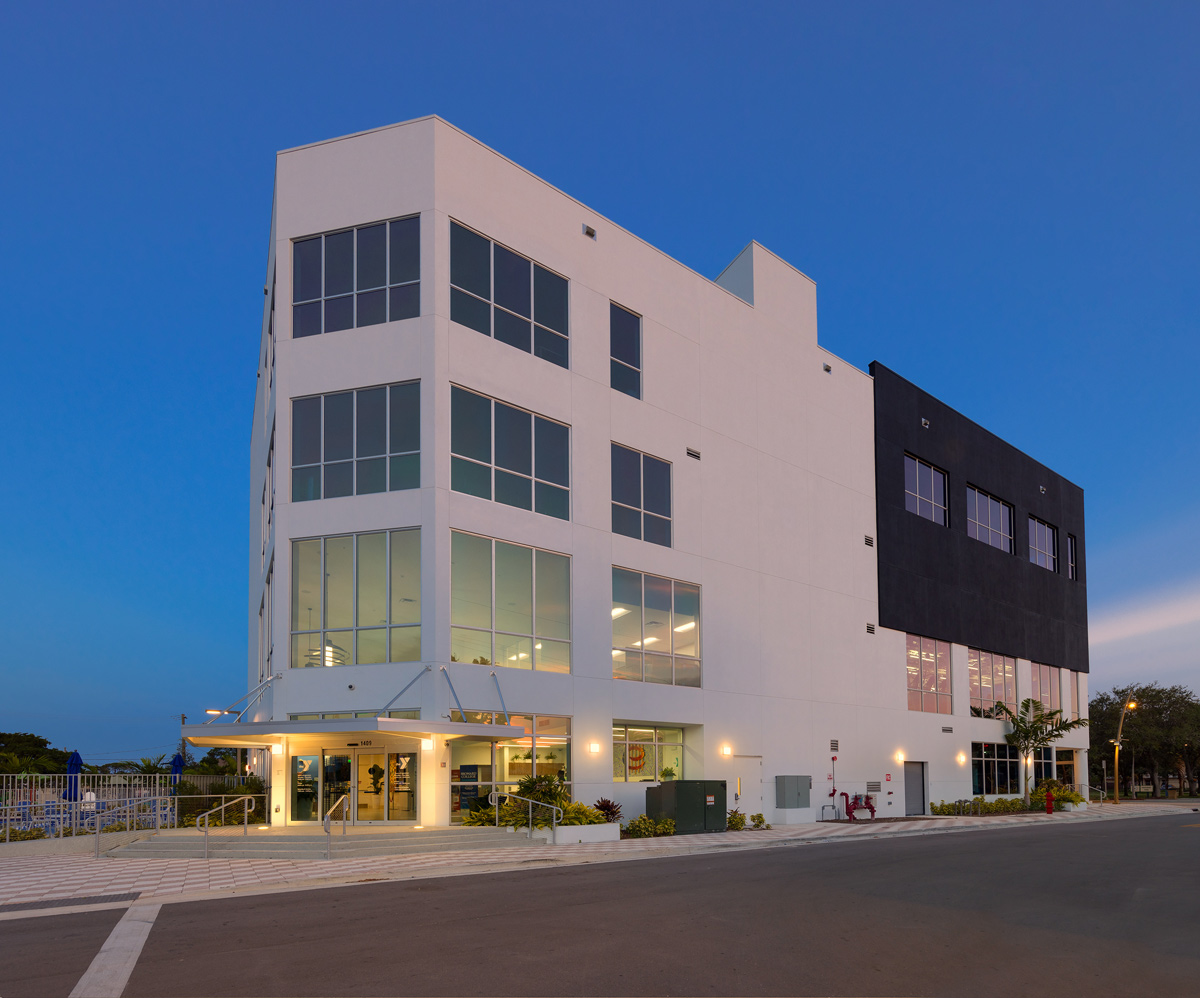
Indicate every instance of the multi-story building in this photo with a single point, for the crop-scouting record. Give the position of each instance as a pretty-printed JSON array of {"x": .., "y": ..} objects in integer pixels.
[{"x": 530, "y": 496}]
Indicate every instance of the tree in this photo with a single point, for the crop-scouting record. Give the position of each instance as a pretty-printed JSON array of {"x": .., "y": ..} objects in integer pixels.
[
  {"x": 1161, "y": 734},
  {"x": 34, "y": 753},
  {"x": 1033, "y": 728}
]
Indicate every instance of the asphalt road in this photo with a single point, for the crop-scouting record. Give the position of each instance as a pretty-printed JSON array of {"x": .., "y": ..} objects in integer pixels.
[{"x": 1104, "y": 908}]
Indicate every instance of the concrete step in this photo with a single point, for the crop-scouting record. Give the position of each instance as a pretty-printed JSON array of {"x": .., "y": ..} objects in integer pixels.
[{"x": 266, "y": 846}]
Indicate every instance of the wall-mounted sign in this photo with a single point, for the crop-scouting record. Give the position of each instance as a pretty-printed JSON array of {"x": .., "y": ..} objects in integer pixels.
[
  {"x": 710, "y": 799},
  {"x": 889, "y": 777},
  {"x": 829, "y": 776}
]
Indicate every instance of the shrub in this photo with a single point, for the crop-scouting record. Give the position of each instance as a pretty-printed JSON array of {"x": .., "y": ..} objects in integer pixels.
[
  {"x": 1001, "y": 805},
  {"x": 26, "y": 834},
  {"x": 641, "y": 827},
  {"x": 665, "y": 827},
  {"x": 578, "y": 813},
  {"x": 610, "y": 809},
  {"x": 757, "y": 821},
  {"x": 736, "y": 821},
  {"x": 547, "y": 789}
]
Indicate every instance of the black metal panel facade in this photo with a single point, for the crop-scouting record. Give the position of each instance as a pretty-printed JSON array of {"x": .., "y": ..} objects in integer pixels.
[{"x": 938, "y": 581}]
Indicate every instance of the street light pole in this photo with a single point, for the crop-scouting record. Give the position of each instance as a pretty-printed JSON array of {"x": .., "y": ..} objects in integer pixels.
[{"x": 1129, "y": 705}]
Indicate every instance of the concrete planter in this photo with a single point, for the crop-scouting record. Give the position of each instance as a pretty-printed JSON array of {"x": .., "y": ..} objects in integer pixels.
[{"x": 610, "y": 831}]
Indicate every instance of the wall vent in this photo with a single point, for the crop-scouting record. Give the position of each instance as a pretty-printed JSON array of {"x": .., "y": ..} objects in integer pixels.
[
  {"x": 868, "y": 540},
  {"x": 589, "y": 231},
  {"x": 833, "y": 743},
  {"x": 870, "y": 628},
  {"x": 693, "y": 453},
  {"x": 874, "y": 788},
  {"x": 947, "y": 731}
]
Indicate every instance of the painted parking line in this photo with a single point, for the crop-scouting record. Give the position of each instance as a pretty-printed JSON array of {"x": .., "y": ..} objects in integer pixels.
[{"x": 110, "y": 970}]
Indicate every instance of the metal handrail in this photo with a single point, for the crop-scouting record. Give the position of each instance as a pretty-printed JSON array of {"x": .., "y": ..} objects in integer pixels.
[
  {"x": 328, "y": 822},
  {"x": 247, "y": 798},
  {"x": 556, "y": 813},
  {"x": 1087, "y": 795},
  {"x": 132, "y": 808}
]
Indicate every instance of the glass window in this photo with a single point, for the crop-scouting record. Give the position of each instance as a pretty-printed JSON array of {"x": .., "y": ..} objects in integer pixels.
[
  {"x": 641, "y": 496},
  {"x": 625, "y": 350},
  {"x": 476, "y": 768},
  {"x": 356, "y": 599},
  {"x": 358, "y": 277},
  {"x": 1047, "y": 685},
  {"x": 989, "y": 519},
  {"x": 507, "y": 296},
  {"x": 995, "y": 769},
  {"x": 1072, "y": 565},
  {"x": 992, "y": 680},
  {"x": 509, "y": 604},
  {"x": 925, "y": 490},
  {"x": 355, "y": 443},
  {"x": 510, "y": 455},
  {"x": 656, "y": 629},
  {"x": 1043, "y": 544},
  {"x": 928, "y": 670},
  {"x": 644, "y": 754}
]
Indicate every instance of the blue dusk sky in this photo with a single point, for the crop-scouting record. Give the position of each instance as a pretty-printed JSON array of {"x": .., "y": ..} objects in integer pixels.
[{"x": 998, "y": 201}]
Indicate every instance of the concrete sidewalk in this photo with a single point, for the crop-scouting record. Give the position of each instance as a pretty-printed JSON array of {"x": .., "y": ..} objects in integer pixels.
[{"x": 59, "y": 884}]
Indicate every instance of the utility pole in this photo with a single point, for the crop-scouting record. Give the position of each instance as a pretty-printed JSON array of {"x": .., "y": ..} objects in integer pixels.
[
  {"x": 182, "y": 740},
  {"x": 1129, "y": 705}
]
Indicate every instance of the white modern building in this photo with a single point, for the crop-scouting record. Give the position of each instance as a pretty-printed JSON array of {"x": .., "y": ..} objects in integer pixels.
[{"x": 528, "y": 495}]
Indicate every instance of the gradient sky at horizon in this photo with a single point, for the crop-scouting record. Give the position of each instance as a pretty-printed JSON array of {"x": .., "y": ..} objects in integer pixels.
[{"x": 1000, "y": 203}]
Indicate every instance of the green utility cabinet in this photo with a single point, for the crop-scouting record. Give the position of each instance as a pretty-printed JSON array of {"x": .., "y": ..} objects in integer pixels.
[{"x": 695, "y": 805}]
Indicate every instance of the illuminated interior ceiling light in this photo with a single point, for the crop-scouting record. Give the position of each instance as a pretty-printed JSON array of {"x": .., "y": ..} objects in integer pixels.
[
  {"x": 538, "y": 646},
  {"x": 616, "y": 653},
  {"x": 685, "y": 627},
  {"x": 512, "y": 658},
  {"x": 522, "y": 655},
  {"x": 618, "y": 611}
]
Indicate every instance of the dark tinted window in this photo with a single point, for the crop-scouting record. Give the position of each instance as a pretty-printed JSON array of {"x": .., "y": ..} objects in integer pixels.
[
  {"x": 512, "y": 329},
  {"x": 339, "y": 263},
  {"x": 406, "y": 250},
  {"x": 306, "y": 269},
  {"x": 550, "y": 300},
  {"x": 372, "y": 423},
  {"x": 470, "y": 261},
  {"x": 306, "y": 431},
  {"x": 553, "y": 442},
  {"x": 625, "y": 379},
  {"x": 514, "y": 444},
  {"x": 626, "y": 476},
  {"x": 339, "y": 426},
  {"x": 372, "y": 257},
  {"x": 471, "y": 425},
  {"x": 625, "y": 334},
  {"x": 656, "y": 486},
  {"x": 511, "y": 281},
  {"x": 406, "y": 418}
]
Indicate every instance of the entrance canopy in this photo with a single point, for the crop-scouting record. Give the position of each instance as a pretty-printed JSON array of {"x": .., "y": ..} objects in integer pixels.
[{"x": 264, "y": 734}]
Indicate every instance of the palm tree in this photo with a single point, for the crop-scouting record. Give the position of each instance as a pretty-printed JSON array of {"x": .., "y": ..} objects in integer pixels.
[{"x": 1033, "y": 728}]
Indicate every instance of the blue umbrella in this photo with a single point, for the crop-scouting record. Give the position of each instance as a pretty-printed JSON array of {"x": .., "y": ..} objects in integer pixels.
[
  {"x": 74, "y": 768},
  {"x": 176, "y": 768}
]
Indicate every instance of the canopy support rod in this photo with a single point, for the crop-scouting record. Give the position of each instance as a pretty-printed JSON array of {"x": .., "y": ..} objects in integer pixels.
[
  {"x": 501, "y": 695},
  {"x": 461, "y": 713},
  {"x": 229, "y": 710},
  {"x": 403, "y": 691}
]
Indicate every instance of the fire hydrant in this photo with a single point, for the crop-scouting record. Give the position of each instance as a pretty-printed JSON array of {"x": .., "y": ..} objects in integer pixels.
[{"x": 1049, "y": 801}]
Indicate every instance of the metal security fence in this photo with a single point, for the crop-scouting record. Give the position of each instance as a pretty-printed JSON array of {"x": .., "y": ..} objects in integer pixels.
[{"x": 49, "y": 787}]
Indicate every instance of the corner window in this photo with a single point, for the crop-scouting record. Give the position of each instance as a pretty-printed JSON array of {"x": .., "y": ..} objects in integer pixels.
[
  {"x": 509, "y": 455},
  {"x": 479, "y": 767},
  {"x": 1072, "y": 564},
  {"x": 656, "y": 629},
  {"x": 625, "y": 350},
  {"x": 356, "y": 442},
  {"x": 992, "y": 680},
  {"x": 510, "y": 605},
  {"x": 356, "y": 599},
  {"x": 507, "y": 296},
  {"x": 641, "y": 496},
  {"x": 357, "y": 277},
  {"x": 924, "y": 490},
  {"x": 643, "y": 754},
  {"x": 989, "y": 519},
  {"x": 928, "y": 675},
  {"x": 1043, "y": 544}
]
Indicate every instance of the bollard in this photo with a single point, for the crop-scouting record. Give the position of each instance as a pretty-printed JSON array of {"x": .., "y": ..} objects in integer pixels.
[{"x": 1049, "y": 801}]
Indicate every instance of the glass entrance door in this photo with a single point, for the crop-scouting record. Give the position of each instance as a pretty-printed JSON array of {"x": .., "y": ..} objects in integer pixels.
[
  {"x": 402, "y": 786},
  {"x": 370, "y": 804},
  {"x": 336, "y": 781}
]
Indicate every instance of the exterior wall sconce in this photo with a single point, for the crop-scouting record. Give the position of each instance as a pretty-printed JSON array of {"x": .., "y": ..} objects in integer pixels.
[
  {"x": 899, "y": 756},
  {"x": 962, "y": 758},
  {"x": 426, "y": 744},
  {"x": 727, "y": 750},
  {"x": 594, "y": 748}
]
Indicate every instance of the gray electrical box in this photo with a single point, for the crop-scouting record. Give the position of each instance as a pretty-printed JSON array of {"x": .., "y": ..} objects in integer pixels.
[{"x": 792, "y": 791}]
